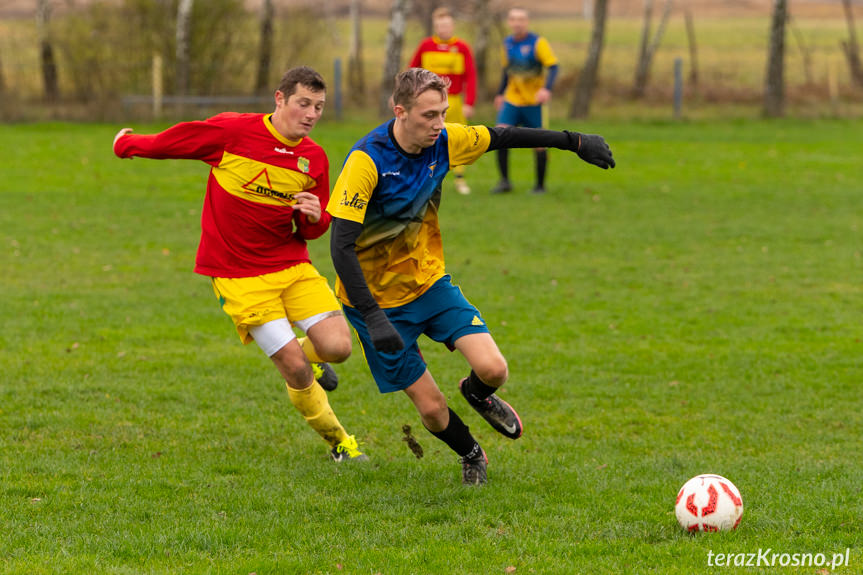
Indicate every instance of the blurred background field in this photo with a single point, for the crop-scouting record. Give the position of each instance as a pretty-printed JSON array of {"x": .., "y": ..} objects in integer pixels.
[{"x": 104, "y": 51}]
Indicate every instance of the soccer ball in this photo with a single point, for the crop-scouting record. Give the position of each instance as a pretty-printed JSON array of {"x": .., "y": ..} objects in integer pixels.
[{"x": 708, "y": 503}]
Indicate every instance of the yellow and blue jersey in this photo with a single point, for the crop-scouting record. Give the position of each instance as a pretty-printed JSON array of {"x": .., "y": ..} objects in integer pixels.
[
  {"x": 524, "y": 62},
  {"x": 396, "y": 196}
]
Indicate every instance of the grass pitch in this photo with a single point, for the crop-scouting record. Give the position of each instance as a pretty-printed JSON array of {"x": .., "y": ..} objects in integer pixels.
[{"x": 695, "y": 310}]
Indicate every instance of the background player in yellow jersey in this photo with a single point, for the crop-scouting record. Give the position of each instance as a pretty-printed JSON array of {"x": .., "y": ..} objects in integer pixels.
[
  {"x": 388, "y": 253},
  {"x": 451, "y": 58},
  {"x": 266, "y": 190},
  {"x": 529, "y": 71}
]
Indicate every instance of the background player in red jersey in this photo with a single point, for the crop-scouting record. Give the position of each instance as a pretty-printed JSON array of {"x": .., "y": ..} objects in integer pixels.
[
  {"x": 450, "y": 57},
  {"x": 268, "y": 182}
]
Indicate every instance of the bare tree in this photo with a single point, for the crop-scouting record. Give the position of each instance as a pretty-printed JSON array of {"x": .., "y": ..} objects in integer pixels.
[
  {"x": 392, "y": 62},
  {"x": 587, "y": 79},
  {"x": 356, "y": 78},
  {"x": 850, "y": 46},
  {"x": 2, "y": 78},
  {"x": 265, "y": 49},
  {"x": 693, "y": 52},
  {"x": 648, "y": 46},
  {"x": 774, "y": 93},
  {"x": 482, "y": 25},
  {"x": 423, "y": 11},
  {"x": 46, "y": 51},
  {"x": 805, "y": 50},
  {"x": 184, "y": 25}
]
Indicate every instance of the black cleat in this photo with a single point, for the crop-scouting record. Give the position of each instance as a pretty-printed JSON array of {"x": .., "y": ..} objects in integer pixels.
[
  {"x": 473, "y": 467},
  {"x": 538, "y": 190},
  {"x": 500, "y": 415},
  {"x": 502, "y": 187},
  {"x": 325, "y": 375}
]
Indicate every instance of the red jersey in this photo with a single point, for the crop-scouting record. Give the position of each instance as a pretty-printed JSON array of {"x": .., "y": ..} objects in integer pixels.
[
  {"x": 248, "y": 224},
  {"x": 450, "y": 58}
]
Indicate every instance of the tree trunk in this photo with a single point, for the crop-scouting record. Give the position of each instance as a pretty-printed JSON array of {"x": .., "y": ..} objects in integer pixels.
[
  {"x": 46, "y": 51},
  {"x": 184, "y": 24},
  {"x": 645, "y": 39},
  {"x": 482, "y": 22},
  {"x": 642, "y": 71},
  {"x": 850, "y": 47},
  {"x": 693, "y": 52},
  {"x": 774, "y": 93},
  {"x": 265, "y": 49},
  {"x": 805, "y": 51},
  {"x": 587, "y": 79},
  {"x": 2, "y": 78},
  {"x": 356, "y": 78},
  {"x": 423, "y": 10},
  {"x": 392, "y": 62}
]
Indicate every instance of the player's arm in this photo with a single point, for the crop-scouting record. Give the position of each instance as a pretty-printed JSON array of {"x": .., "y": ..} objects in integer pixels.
[
  {"x": 343, "y": 242},
  {"x": 351, "y": 196},
  {"x": 188, "y": 140},
  {"x": 548, "y": 60},
  {"x": 591, "y": 148},
  {"x": 504, "y": 80},
  {"x": 469, "y": 77},
  {"x": 417, "y": 57}
]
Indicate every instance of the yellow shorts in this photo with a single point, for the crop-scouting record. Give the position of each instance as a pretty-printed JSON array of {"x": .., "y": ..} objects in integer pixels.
[{"x": 296, "y": 293}]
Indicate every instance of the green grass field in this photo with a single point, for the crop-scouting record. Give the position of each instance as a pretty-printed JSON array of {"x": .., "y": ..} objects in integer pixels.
[{"x": 695, "y": 310}]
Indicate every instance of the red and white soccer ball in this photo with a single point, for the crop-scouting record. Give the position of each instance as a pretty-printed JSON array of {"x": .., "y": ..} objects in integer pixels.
[{"x": 708, "y": 503}]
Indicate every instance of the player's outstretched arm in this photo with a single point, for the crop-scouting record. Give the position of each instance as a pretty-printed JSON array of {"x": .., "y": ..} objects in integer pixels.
[
  {"x": 343, "y": 238},
  {"x": 591, "y": 148}
]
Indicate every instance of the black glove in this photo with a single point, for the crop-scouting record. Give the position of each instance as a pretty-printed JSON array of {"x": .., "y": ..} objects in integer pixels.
[
  {"x": 384, "y": 336},
  {"x": 592, "y": 149}
]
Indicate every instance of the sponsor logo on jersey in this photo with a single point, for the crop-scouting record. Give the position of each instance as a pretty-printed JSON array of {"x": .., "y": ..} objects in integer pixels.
[
  {"x": 260, "y": 184},
  {"x": 385, "y": 174},
  {"x": 283, "y": 151},
  {"x": 477, "y": 321},
  {"x": 355, "y": 202}
]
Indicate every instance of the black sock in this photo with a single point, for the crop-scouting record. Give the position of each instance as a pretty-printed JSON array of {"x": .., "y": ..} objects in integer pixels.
[
  {"x": 503, "y": 163},
  {"x": 457, "y": 436},
  {"x": 541, "y": 162},
  {"x": 476, "y": 388}
]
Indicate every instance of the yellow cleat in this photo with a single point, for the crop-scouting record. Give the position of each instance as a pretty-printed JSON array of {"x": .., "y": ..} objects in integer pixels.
[{"x": 348, "y": 450}]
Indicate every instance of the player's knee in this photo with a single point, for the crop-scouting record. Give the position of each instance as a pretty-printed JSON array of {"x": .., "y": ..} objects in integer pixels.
[
  {"x": 434, "y": 412},
  {"x": 336, "y": 351},
  {"x": 494, "y": 372},
  {"x": 296, "y": 370}
]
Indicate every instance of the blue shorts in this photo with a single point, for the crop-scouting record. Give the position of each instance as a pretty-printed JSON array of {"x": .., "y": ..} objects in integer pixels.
[
  {"x": 442, "y": 313},
  {"x": 527, "y": 116}
]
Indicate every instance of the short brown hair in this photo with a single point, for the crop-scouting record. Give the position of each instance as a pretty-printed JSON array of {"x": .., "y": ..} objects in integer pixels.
[
  {"x": 301, "y": 75},
  {"x": 442, "y": 12},
  {"x": 413, "y": 82}
]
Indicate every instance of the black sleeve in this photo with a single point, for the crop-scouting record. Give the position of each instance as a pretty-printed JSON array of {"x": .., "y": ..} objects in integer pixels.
[
  {"x": 513, "y": 137},
  {"x": 343, "y": 238}
]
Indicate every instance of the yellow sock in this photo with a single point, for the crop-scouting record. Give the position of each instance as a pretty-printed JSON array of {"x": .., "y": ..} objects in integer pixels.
[
  {"x": 309, "y": 350},
  {"x": 313, "y": 405}
]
